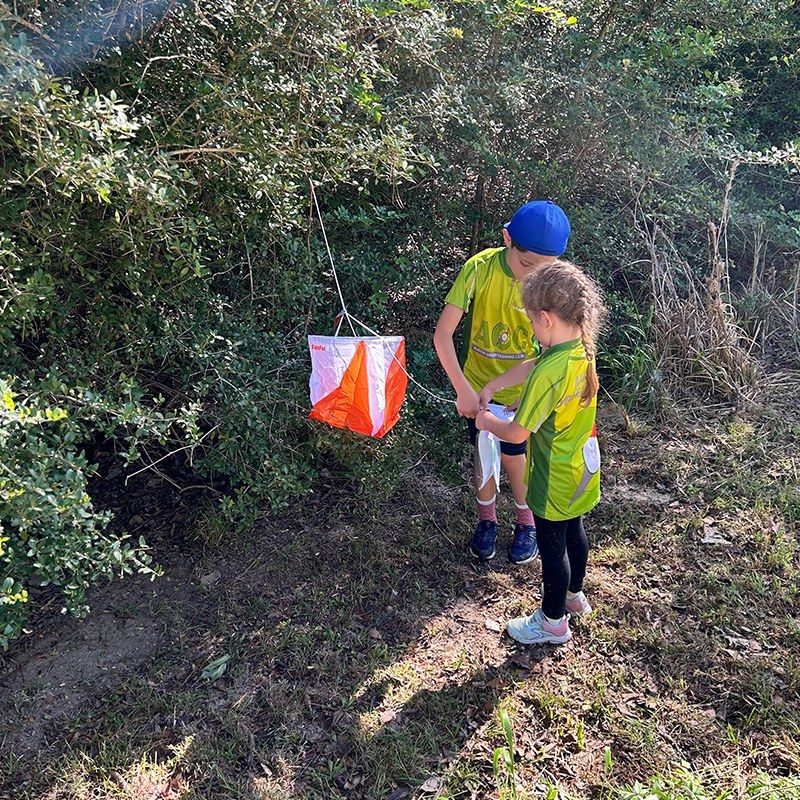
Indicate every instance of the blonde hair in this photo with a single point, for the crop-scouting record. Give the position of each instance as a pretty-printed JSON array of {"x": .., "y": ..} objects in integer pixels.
[{"x": 567, "y": 291}]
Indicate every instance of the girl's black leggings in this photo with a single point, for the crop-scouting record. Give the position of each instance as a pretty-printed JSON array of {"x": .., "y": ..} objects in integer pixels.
[{"x": 564, "y": 550}]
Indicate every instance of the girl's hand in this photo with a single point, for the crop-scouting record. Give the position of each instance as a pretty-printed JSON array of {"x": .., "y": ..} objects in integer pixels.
[
  {"x": 513, "y": 406},
  {"x": 486, "y": 395},
  {"x": 467, "y": 403},
  {"x": 481, "y": 419}
]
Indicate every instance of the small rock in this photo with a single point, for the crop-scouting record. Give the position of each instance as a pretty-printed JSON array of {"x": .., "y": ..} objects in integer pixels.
[
  {"x": 211, "y": 578},
  {"x": 432, "y": 785},
  {"x": 493, "y": 625},
  {"x": 313, "y": 732},
  {"x": 344, "y": 746},
  {"x": 712, "y": 535},
  {"x": 136, "y": 519},
  {"x": 374, "y": 633}
]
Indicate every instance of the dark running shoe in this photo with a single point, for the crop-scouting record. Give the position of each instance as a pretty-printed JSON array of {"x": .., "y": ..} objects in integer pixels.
[
  {"x": 484, "y": 540},
  {"x": 524, "y": 548}
]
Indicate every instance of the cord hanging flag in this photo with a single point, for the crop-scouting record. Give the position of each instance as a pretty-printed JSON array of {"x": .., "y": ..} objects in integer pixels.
[{"x": 357, "y": 382}]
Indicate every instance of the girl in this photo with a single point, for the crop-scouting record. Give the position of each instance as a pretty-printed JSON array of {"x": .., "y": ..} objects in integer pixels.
[{"x": 557, "y": 411}]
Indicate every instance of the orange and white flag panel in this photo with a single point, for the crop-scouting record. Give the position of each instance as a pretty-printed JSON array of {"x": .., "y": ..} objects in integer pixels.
[{"x": 358, "y": 383}]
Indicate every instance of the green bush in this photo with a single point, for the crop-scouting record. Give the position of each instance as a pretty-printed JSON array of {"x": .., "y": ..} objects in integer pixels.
[
  {"x": 48, "y": 526},
  {"x": 158, "y": 288}
]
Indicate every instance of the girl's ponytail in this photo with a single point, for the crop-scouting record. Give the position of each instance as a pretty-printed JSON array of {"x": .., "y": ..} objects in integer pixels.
[{"x": 592, "y": 380}]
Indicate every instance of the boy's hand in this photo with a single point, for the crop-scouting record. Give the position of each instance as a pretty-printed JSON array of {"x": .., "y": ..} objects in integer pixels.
[
  {"x": 513, "y": 406},
  {"x": 467, "y": 403}
]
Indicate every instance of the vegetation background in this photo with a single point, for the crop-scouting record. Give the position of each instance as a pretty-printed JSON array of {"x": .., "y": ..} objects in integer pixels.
[{"x": 160, "y": 264}]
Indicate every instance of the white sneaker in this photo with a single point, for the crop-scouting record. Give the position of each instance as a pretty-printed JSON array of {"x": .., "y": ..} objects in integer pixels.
[
  {"x": 578, "y": 606},
  {"x": 535, "y": 629}
]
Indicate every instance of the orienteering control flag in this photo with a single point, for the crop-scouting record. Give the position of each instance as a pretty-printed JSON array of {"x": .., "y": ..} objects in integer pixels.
[{"x": 358, "y": 383}]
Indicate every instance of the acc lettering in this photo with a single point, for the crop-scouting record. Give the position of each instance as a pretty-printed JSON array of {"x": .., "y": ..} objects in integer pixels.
[
  {"x": 482, "y": 336},
  {"x": 521, "y": 339},
  {"x": 502, "y": 338}
]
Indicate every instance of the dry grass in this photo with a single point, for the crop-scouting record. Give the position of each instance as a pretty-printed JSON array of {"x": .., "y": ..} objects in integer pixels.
[
  {"x": 771, "y": 315},
  {"x": 702, "y": 350},
  {"x": 706, "y": 336},
  {"x": 710, "y": 341}
]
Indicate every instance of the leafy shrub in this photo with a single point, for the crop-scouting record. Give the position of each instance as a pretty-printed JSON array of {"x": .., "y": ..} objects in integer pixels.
[
  {"x": 48, "y": 526},
  {"x": 158, "y": 272}
]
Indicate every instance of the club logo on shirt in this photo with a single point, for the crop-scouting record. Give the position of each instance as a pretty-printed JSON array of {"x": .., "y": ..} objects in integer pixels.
[
  {"x": 502, "y": 338},
  {"x": 591, "y": 455},
  {"x": 577, "y": 392}
]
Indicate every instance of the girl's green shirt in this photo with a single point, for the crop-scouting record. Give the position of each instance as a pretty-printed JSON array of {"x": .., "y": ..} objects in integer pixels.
[{"x": 563, "y": 456}]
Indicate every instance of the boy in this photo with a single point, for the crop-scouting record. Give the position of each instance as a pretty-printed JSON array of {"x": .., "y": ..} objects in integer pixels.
[{"x": 498, "y": 336}]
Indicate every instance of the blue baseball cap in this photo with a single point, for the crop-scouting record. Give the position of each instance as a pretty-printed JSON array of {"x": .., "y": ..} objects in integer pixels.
[{"x": 540, "y": 226}]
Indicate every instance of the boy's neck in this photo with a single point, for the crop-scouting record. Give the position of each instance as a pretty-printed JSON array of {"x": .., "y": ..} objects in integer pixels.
[{"x": 519, "y": 274}]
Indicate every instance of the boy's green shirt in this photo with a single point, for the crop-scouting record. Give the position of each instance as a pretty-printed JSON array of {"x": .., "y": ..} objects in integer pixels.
[
  {"x": 498, "y": 333},
  {"x": 563, "y": 457}
]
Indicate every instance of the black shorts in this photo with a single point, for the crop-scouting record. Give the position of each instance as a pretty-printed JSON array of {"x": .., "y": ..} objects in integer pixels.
[{"x": 506, "y": 448}]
